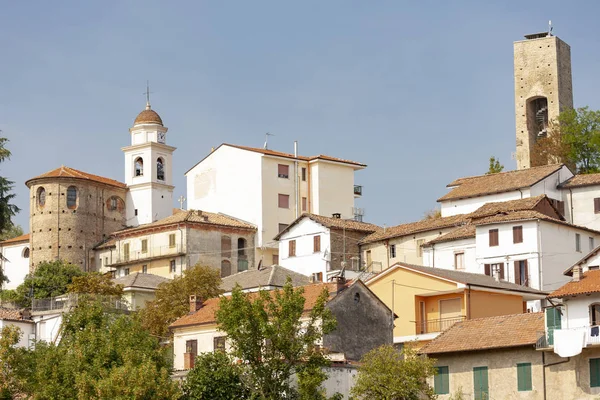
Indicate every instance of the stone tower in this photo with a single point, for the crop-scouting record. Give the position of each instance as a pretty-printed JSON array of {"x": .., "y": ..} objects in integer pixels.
[
  {"x": 543, "y": 88},
  {"x": 148, "y": 170}
]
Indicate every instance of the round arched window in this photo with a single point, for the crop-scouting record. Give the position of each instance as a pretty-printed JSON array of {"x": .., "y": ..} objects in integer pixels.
[
  {"x": 139, "y": 166},
  {"x": 41, "y": 197},
  {"x": 26, "y": 252},
  {"x": 160, "y": 169},
  {"x": 72, "y": 197},
  {"x": 115, "y": 203}
]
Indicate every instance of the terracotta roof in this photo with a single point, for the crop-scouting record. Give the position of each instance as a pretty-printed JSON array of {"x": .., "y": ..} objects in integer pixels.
[
  {"x": 528, "y": 203},
  {"x": 475, "y": 186},
  {"x": 18, "y": 239},
  {"x": 415, "y": 227},
  {"x": 140, "y": 280},
  {"x": 66, "y": 172},
  {"x": 588, "y": 283},
  {"x": 584, "y": 259},
  {"x": 527, "y": 215},
  {"x": 581, "y": 180},
  {"x": 148, "y": 116},
  {"x": 462, "y": 232},
  {"x": 11, "y": 314},
  {"x": 206, "y": 315},
  {"x": 514, "y": 330},
  {"x": 274, "y": 275},
  {"x": 333, "y": 223},
  {"x": 288, "y": 155}
]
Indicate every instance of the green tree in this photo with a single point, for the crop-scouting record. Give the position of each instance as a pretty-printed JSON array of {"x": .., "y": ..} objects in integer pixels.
[
  {"x": 172, "y": 299},
  {"x": 95, "y": 283},
  {"x": 495, "y": 166},
  {"x": 7, "y": 209},
  {"x": 214, "y": 377},
  {"x": 10, "y": 384},
  {"x": 434, "y": 213},
  {"x": 387, "y": 374},
  {"x": 11, "y": 232},
  {"x": 268, "y": 332}
]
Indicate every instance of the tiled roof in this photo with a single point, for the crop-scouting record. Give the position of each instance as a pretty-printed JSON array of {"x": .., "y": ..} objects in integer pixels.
[
  {"x": 582, "y": 180},
  {"x": 274, "y": 275},
  {"x": 334, "y": 223},
  {"x": 588, "y": 283},
  {"x": 11, "y": 314},
  {"x": 288, "y": 155},
  {"x": 66, "y": 172},
  {"x": 528, "y": 203},
  {"x": 584, "y": 259},
  {"x": 18, "y": 239},
  {"x": 497, "y": 183},
  {"x": 467, "y": 278},
  {"x": 527, "y": 215},
  {"x": 514, "y": 330},
  {"x": 139, "y": 280},
  {"x": 462, "y": 232},
  {"x": 415, "y": 227},
  {"x": 148, "y": 116},
  {"x": 206, "y": 315}
]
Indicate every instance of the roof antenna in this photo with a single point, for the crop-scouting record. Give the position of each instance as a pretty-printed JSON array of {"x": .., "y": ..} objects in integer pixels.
[
  {"x": 266, "y": 145},
  {"x": 147, "y": 93},
  {"x": 550, "y": 28}
]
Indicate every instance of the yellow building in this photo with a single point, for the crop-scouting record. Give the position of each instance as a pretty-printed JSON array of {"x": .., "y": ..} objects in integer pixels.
[{"x": 430, "y": 300}]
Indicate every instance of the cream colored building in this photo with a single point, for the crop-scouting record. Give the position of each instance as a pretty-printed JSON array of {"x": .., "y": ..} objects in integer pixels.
[
  {"x": 14, "y": 261},
  {"x": 270, "y": 189}
]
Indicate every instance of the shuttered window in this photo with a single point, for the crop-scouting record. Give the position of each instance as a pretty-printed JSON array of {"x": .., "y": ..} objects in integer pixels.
[
  {"x": 219, "y": 344},
  {"x": 597, "y": 205},
  {"x": 441, "y": 382},
  {"x": 144, "y": 245},
  {"x": 172, "y": 240},
  {"x": 126, "y": 251},
  {"x": 578, "y": 242},
  {"x": 493, "y": 237},
  {"x": 524, "y": 377},
  {"x": 317, "y": 244},
  {"x": 487, "y": 269},
  {"x": 518, "y": 234},
  {"x": 292, "y": 248},
  {"x": 283, "y": 171},
  {"x": 304, "y": 204},
  {"x": 284, "y": 201},
  {"x": 594, "y": 372},
  {"x": 521, "y": 273},
  {"x": 480, "y": 383}
]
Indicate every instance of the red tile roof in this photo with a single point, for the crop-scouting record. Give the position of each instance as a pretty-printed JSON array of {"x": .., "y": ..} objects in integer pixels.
[
  {"x": 514, "y": 330},
  {"x": 66, "y": 172},
  {"x": 587, "y": 284},
  {"x": 18, "y": 239},
  {"x": 11, "y": 314},
  {"x": 525, "y": 216},
  {"x": 582, "y": 180},
  {"x": 334, "y": 223}
]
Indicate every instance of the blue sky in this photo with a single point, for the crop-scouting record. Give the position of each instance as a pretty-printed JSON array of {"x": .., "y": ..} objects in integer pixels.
[{"x": 422, "y": 92}]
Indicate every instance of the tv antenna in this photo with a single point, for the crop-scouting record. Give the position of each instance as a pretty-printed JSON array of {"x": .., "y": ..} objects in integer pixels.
[
  {"x": 550, "y": 28},
  {"x": 266, "y": 145}
]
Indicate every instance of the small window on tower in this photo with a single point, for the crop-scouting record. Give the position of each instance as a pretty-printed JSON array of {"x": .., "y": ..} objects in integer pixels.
[
  {"x": 160, "y": 169},
  {"x": 72, "y": 197},
  {"x": 41, "y": 197},
  {"x": 139, "y": 166}
]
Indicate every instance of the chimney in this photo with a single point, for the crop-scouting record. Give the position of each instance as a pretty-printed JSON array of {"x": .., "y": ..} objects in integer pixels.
[
  {"x": 340, "y": 283},
  {"x": 576, "y": 273},
  {"x": 195, "y": 303},
  {"x": 336, "y": 215},
  {"x": 199, "y": 213}
]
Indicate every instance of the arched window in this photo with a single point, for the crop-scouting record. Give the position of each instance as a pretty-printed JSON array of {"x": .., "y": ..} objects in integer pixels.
[
  {"x": 241, "y": 247},
  {"x": 72, "y": 197},
  {"x": 139, "y": 166},
  {"x": 160, "y": 169},
  {"x": 225, "y": 268},
  {"x": 25, "y": 252},
  {"x": 115, "y": 203},
  {"x": 41, "y": 197}
]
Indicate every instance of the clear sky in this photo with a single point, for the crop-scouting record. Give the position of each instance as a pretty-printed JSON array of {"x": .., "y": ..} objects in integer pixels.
[{"x": 422, "y": 92}]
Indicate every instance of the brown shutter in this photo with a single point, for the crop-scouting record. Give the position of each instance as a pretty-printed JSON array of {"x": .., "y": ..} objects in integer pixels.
[
  {"x": 597, "y": 205},
  {"x": 501, "y": 270},
  {"x": 517, "y": 273},
  {"x": 493, "y": 233},
  {"x": 518, "y": 234},
  {"x": 283, "y": 170},
  {"x": 292, "y": 248},
  {"x": 284, "y": 201},
  {"x": 526, "y": 283},
  {"x": 304, "y": 204},
  {"x": 487, "y": 270},
  {"x": 317, "y": 244}
]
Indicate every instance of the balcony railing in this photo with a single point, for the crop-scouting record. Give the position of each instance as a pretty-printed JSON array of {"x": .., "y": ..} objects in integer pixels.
[
  {"x": 437, "y": 325},
  {"x": 545, "y": 339},
  {"x": 357, "y": 190},
  {"x": 152, "y": 252},
  {"x": 67, "y": 301}
]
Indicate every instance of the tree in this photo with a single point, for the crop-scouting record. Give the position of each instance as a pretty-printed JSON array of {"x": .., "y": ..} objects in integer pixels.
[
  {"x": 270, "y": 332},
  {"x": 11, "y": 232},
  {"x": 10, "y": 384},
  {"x": 7, "y": 209},
  {"x": 495, "y": 166},
  {"x": 95, "y": 283},
  {"x": 434, "y": 213},
  {"x": 172, "y": 299},
  {"x": 214, "y": 377},
  {"x": 387, "y": 374}
]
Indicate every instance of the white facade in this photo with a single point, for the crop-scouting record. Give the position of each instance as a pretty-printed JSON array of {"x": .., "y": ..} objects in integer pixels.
[
  {"x": 47, "y": 325},
  {"x": 205, "y": 342},
  {"x": 579, "y": 206},
  {"x": 447, "y": 255},
  {"x": 306, "y": 261},
  {"x": 27, "y": 330},
  {"x": 247, "y": 184},
  {"x": 14, "y": 262}
]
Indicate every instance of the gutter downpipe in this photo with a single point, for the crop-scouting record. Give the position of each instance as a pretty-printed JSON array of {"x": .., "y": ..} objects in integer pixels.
[
  {"x": 544, "y": 365},
  {"x": 571, "y": 204},
  {"x": 433, "y": 255},
  {"x": 520, "y": 191}
]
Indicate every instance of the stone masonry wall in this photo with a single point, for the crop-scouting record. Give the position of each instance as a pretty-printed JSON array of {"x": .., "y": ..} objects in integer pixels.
[{"x": 351, "y": 247}]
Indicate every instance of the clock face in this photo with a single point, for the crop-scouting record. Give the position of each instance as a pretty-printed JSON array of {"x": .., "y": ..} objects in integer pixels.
[{"x": 161, "y": 137}]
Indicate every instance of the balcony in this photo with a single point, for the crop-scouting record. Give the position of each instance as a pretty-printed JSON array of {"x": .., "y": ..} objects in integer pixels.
[
  {"x": 357, "y": 190},
  {"x": 545, "y": 339},
  {"x": 68, "y": 301},
  {"x": 437, "y": 325},
  {"x": 152, "y": 253}
]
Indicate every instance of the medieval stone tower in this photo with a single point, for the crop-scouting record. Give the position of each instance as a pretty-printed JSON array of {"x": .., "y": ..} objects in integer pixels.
[{"x": 543, "y": 88}]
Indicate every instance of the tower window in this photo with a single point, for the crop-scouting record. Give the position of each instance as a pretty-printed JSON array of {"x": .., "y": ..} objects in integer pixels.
[
  {"x": 41, "y": 197},
  {"x": 26, "y": 252},
  {"x": 139, "y": 166},
  {"x": 72, "y": 197},
  {"x": 160, "y": 169}
]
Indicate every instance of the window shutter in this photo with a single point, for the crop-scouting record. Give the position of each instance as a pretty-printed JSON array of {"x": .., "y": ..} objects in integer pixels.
[
  {"x": 317, "y": 244},
  {"x": 441, "y": 381},
  {"x": 493, "y": 233},
  {"x": 526, "y": 273},
  {"x": 517, "y": 273},
  {"x": 524, "y": 377},
  {"x": 292, "y": 248},
  {"x": 518, "y": 234},
  {"x": 501, "y": 270},
  {"x": 597, "y": 205},
  {"x": 284, "y": 201},
  {"x": 480, "y": 383},
  {"x": 283, "y": 170},
  {"x": 594, "y": 372},
  {"x": 488, "y": 270}
]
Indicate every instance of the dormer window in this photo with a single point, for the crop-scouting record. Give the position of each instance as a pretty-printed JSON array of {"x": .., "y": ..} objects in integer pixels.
[{"x": 139, "y": 166}]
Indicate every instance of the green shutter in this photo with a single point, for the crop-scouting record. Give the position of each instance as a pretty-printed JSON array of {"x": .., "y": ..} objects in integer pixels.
[
  {"x": 594, "y": 372},
  {"x": 553, "y": 321},
  {"x": 441, "y": 382},
  {"x": 524, "y": 377},
  {"x": 480, "y": 383}
]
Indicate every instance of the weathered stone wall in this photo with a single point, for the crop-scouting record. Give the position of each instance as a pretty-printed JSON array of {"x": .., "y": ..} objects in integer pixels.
[
  {"x": 60, "y": 232},
  {"x": 348, "y": 246}
]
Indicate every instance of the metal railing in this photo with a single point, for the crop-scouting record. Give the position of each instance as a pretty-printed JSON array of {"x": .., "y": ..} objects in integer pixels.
[
  {"x": 545, "y": 339},
  {"x": 152, "y": 252},
  {"x": 437, "y": 325},
  {"x": 358, "y": 190},
  {"x": 67, "y": 301}
]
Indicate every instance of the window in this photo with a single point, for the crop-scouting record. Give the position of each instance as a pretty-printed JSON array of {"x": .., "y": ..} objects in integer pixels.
[
  {"x": 172, "y": 266},
  {"x": 518, "y": 234},
  {"x": 593, "y": 267},
  {"x": 172, "y": 240},
  {"x": 160, "y": 169},
  {"x": 126, "y": 271},
  {"x": 25, "y": 252},
  {"x": 139, "y": 166},
  {"x": 597, "y": 205},
  {"x": 392, "y": 251},
  {"x": 225, "y": 268},
  {"x": 284, "y": 200},
  {"x": 578, "y": 242},
  {"x": 420, "y": 243},
  {"x": 494, "y": 269},
  {"x": 144, "y": 269},
  {"x": 524, "y": 377},
  {"x": 113, "y": 203},
  {"x": 242, "y": 265},
  {"x": 144, "y": 245},
  {"x": 282, "y": 227},
  {"x": 594, "y": 372},
  {"x": 595, "y": 314},
  {"x": 41, "y": 197},
  {"x": 591, "y": 243},
  {"x": 105, "y": 260},
  {"x": 441, "y": 383},
  {"x": 219, "y": 344},
  {"x": 521, "y": 273},
  {"x": 480, "y": 383},
  {"x": 283, "y": 171},
  {"x": 459, "y": 260},
  {"x": 241, "y": 244},
  {"x": 303, "y": 174},
  {"x": 292, "y": 248},
  {"x": 72, "y": 197},
  {"x": 275, "y": 259},
  {"x": 493, "y": 237},
  {"x": 225, "y": 246},
  {"x": 191, "y": 347},
  {"x": 304, "y": 203},
  {"x": 126, "y": 251},
  {"x": 317, "y": 244}
]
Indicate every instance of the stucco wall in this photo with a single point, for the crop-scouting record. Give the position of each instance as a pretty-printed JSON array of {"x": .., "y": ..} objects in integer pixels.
[
  {"x": 442, "y": 255},
  {"x": 579, "y": 206},
  {"x": 14, "y": 265},
  {"x": 465, "y": 206},
  {"x": 487, "y": 304},
  {"x": 27, "y": 328},
  {"x": 306, "y": 261}
]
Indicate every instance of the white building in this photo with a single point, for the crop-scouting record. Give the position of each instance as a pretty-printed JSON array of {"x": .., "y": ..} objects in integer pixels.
[
  {"x": 14, "y": 260},
  {"x": 582, "y": 200},
  {"x": 270, "y": 189},
  {"x": 20, "y": 319}
]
